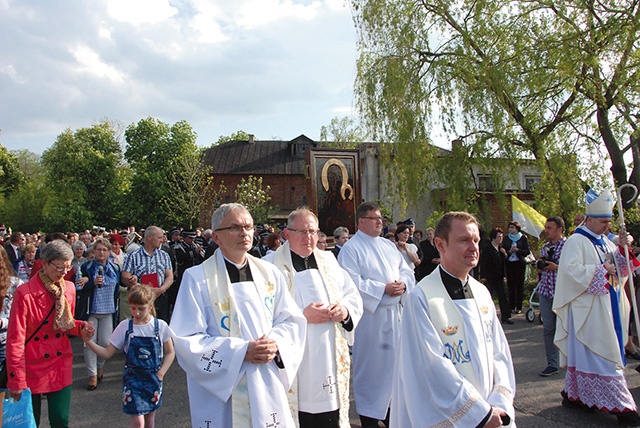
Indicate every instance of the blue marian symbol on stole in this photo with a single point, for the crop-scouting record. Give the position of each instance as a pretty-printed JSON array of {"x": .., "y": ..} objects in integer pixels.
[
  {"x": 456, "y": 353},
  {"x": 225, "y": 325},
  {"x": 488, "y": 330},
  {"x": 269, "y": 303}
]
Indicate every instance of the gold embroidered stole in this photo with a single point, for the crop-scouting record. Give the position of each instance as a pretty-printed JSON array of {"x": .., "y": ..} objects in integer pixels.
[
  {"x": 226, "y": 313},
  {"x": 282, "y": 260},
  {"x": 449, "y": 324}
]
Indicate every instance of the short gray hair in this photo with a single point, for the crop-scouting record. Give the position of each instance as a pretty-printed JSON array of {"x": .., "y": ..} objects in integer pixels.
[
  {"x": 56, "y": 250},
  {"x": 339, "y": 231},
  {"x": 222, "y": 212},
  {"x": 152, "y": 230},
  {"x": 300, "y": 212},
  {"x": 79, "y": 244}
]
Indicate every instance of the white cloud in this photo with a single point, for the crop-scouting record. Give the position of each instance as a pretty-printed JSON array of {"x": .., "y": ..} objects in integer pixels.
[
  {"x": 273, "y": 68},
  {"x": 256, "y": 13},
  {"x": 91, "y": 63},
  {"x": 11, "y": 72},
  {"x": 137, "y": 12}
]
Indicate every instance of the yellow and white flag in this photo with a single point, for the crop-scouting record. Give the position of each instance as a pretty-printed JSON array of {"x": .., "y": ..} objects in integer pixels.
[{"x": 531, "y": 221}]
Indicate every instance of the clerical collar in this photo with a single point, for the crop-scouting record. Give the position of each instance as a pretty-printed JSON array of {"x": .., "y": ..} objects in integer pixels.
[
  {"x": 238, "y": 273},
  {"x": 456, "y": 289},
  {"x": 303, "y": 263}
]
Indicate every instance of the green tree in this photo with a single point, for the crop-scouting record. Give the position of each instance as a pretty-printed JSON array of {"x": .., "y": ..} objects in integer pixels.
[
  {"x": 509, "y": 80},
  {"x": 156, "y": 154},
  {"x": 342, "y": 133},
  {"x": 10, "y": 174},
  {"x": 254, "y": 197},
  {"x": 236, "y": 136},
  {"x": 190, "y": 191},
  {"x": 81, "y": 170}
]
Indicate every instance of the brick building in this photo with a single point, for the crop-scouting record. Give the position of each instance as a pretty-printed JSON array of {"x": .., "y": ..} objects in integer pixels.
[{"x": 281, "y": 164}]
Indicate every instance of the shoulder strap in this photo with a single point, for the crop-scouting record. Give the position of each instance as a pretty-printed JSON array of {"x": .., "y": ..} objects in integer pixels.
[{"x": 41, "y": 324}]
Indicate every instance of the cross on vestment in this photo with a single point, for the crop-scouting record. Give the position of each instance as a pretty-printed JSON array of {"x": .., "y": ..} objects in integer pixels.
[
  {"x": 210, "y": 360},
  {"x": 328, "y": 384},
  {"x": 275, "y": 423},
  {"x": 207, "y": 424}
]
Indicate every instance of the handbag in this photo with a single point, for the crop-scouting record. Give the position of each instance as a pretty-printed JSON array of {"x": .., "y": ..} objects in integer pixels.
[
  {"x": 530, "y": 258},
  {"x": 18, "y": 413},
  {"x": 4, "y": 375}
]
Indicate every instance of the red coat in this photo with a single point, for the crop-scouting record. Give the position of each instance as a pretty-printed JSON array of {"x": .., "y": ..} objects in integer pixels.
[{"x": 45, "y": 365}]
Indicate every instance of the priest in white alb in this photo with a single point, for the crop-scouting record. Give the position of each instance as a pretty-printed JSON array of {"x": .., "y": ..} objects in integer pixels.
[
  {"x": 239, "y": 334},
  {"x": 332, "y": 306},
  {"x": 455, "y": 367},
  {"x": 382, "y": 277},
  {"x": 592, "y": 318}
]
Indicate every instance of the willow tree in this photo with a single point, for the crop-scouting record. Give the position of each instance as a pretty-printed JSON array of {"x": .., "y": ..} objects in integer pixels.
[{"x": 506, "y": 80}]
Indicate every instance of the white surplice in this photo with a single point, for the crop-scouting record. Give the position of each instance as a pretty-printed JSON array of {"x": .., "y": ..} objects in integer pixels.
[
  {"x": 429, "y": 390},
  {"x": 323, "y": 376},
  {"x": 372, "y": 263},
  {"x": 214, "y": 359}
]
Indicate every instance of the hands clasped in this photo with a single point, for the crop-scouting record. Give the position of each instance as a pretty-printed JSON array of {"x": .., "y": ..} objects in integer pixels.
[
  {"x": 261, "y": 351},
  {"x": 318, "y": 312},
  {"x": 395, "y": 288}
]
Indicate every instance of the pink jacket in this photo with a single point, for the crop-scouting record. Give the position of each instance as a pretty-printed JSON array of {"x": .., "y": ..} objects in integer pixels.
[{"x": 45, "y": 364}]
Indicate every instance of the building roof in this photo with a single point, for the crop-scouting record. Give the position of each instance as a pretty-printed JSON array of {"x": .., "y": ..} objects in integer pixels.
[{"x": 259, "y": 156}]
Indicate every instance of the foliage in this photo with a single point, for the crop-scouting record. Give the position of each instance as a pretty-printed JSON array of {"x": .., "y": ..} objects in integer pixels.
[
  {"x": 540, "y": 80},
  {"x": 254, "y": 197},
  {"x": 190, "y": 191},
  {"x": 156, "y": 152},
  {"x": 81, "y": 170},
  {"x": 236, "y": 136},
  {"x": 10, "y": 174},
  {"x": 342, "y": 133}
]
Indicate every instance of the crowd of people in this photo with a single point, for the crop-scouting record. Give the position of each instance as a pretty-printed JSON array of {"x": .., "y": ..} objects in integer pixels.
[{"x": 271, "y": 324}]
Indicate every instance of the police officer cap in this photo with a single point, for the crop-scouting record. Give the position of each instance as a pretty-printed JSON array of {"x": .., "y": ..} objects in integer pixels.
[{"x": 188, "y": 234}]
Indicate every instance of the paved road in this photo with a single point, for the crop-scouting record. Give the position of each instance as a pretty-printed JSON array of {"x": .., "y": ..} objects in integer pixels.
[{"x": 537, "y": 398}]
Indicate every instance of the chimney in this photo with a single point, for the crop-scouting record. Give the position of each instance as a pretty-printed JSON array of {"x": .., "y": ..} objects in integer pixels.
[{"x": 252, "y": 138}]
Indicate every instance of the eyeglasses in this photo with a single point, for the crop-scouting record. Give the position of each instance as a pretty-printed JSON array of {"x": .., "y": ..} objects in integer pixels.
[
  {"x": 237, "y": 228},
  {"x": 373, "y": 218},
  {"x": 63, "y": 268},
  {"x": 310, "y": 232}
]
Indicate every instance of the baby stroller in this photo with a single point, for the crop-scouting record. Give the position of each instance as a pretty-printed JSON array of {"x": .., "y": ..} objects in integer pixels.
[{"x": 534, "y": 302}]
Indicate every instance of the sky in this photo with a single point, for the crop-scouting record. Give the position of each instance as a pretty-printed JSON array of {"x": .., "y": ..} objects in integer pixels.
[{"x": 272, "y": 68}]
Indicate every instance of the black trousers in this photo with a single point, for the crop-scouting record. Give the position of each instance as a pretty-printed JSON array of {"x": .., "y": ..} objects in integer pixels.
[
  {"x": 319, "y": 420},
  {"x": 162, "y": 307},
  {"x": 496, "y": 288},
  {"x": 368, "y": 422},
  {"x": 515, "y": 283}
]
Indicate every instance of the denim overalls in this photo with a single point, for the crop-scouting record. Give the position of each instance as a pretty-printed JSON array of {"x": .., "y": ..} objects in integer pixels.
[{"x": 141, "y": 388}]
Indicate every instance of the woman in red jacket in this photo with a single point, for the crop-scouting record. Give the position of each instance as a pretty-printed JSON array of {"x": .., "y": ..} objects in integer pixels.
[{"x": 43, "y": 307}]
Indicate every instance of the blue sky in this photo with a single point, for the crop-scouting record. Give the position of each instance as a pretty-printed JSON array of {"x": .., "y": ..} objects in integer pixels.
[{"x": 274, "y": 68}]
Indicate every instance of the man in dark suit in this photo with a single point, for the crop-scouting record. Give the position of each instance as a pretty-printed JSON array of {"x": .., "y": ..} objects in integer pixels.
[
  {"x": 340, "y": 237},
  {"x": 14, "y": 249},
  {"x": 492, "y": 269}
]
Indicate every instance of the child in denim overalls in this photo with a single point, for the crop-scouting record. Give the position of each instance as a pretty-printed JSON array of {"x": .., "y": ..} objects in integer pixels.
[{"x": 144, "y": 339}]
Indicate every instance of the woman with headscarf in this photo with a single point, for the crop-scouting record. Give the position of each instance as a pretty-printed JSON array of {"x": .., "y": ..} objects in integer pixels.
[
  {"x": 42, "y": 315},
  {"x": 517, "y": 247}
]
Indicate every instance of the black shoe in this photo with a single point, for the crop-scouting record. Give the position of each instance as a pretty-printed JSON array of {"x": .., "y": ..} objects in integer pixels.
[
  {"x": 628, "y": 419},
  {"x": 506, "y": 321},
  {"x": 549, "y": 371},
  {"x": 575, "y": 404},
  {"x": 635, "y": 355}
]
